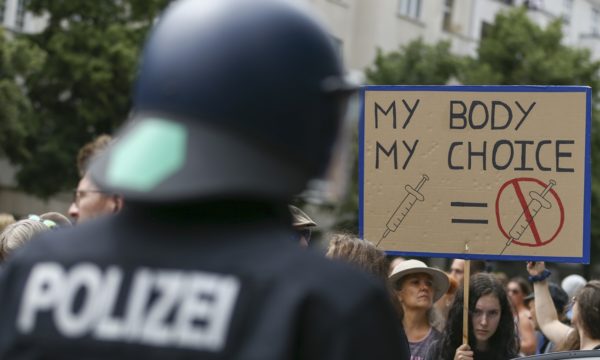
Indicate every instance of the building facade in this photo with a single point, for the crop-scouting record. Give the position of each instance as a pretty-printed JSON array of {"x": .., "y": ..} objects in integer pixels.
[
  {"x": 15, "y": 18},
  {"x": 360, "y": 27}
]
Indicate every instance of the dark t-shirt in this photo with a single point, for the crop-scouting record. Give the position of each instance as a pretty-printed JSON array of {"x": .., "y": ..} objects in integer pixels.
[
  {"x": 138, "y": 287},
  {"x": 436, "y": 352},
  {"x": 418, "y": 350}
]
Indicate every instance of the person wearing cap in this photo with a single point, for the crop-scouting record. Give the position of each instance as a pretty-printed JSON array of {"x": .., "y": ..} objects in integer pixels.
[
  {"x": 302, "y": 224},
  {"x": 491, "y": 324},
  {"x": 417, "y": 288},
  {"x": 571, "y": 285},
  {"x": 199, "y": 265},
  {"x": 560, "y": 300}
]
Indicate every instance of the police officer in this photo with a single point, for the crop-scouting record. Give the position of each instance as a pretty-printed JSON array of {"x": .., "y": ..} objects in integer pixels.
[{"x": 200, "y": 265}]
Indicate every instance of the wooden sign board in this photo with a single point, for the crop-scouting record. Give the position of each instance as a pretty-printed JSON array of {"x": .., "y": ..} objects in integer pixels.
[{"x": 503, "y": 171}]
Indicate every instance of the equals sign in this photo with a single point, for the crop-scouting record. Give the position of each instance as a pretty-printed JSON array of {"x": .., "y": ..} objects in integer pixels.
[{"x": 463, "y": 204}]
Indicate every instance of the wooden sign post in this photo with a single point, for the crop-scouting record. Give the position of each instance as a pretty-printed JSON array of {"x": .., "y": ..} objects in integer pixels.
[{"x": 467, "y": 275}]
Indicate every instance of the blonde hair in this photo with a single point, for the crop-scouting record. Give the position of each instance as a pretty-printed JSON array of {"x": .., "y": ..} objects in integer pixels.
[
  {"x": 17, "y": 234},
  {"x": 20, "y": 232},
  {"x": 5, "y": 220},
  {"x": 359, "y": 252}
]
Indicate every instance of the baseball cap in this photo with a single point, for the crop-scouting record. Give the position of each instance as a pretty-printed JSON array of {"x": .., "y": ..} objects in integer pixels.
[{"x": 559, "y": 297}]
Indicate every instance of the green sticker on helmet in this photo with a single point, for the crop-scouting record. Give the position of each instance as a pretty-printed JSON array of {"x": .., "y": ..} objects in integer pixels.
[{"x": 149, "y": 154}]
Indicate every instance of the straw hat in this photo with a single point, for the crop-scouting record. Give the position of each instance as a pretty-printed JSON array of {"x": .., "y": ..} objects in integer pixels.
[{"x": 440, "y": 279}]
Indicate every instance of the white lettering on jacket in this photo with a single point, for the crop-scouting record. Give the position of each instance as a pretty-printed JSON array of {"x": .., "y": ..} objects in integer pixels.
[{"x": 162, "y": 307}]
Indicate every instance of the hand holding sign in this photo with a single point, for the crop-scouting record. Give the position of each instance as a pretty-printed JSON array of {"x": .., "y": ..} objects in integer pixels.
[
  {"x": 535, "y": 268},
  {"x": 463, "y": 352}
]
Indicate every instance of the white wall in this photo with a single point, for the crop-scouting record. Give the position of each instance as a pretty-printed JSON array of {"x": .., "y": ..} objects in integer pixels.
[{"x": 364, "y": 25}]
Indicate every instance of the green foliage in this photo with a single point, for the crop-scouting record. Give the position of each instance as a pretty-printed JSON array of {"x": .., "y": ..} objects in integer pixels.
[
  {"x": 18, "y": 60},
  {"x": 517, "y": 51},
  {"x": 81, "y": 88},
  {"x": 416, "y": 63}
]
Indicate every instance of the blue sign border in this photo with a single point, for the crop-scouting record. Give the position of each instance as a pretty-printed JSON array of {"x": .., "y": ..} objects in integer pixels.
[{"x": 488, "y": 88}]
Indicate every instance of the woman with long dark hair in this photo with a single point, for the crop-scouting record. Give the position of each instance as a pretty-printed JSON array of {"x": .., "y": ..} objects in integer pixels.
[{"x": 491, "y": 325}]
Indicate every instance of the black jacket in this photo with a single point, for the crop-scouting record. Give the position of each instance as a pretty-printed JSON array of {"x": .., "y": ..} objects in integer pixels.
[{"x": 150, "y": 286}]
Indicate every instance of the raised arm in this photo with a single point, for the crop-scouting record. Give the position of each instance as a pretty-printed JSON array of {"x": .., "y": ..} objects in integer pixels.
[{"x": 546, "y": 315}]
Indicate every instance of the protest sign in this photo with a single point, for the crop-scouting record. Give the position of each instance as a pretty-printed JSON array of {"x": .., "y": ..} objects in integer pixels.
[{"x": 501, "y": 170}]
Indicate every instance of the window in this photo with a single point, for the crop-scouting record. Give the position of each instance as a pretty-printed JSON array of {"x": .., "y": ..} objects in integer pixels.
[
  {"x": 485, "y": 29},
  {"x": 567, "y": 11},
  {"x": 20, "y": 14},
  {"x": 595, "y": 21},
  {"x": 534, "y": 4},
  {"x": 339, "y": 47},
  {"x": 410, "y": 8},
  {"x": 447, "y": 24},
  {"x": 339, "y": 2},
  {"x": 2, "y": 10}
]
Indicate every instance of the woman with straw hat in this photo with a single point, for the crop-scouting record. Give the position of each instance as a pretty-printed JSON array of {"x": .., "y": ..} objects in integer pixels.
[{"x": 417, "y": 288}]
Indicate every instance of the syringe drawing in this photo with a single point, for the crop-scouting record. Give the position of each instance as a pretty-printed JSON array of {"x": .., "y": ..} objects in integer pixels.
[
  {"x": 398, "y": 216},
  {"x": 536, "y": 203}
]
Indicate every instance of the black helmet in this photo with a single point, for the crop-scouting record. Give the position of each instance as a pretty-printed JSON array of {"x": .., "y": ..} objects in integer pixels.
[{"x": 233, "y": 98}]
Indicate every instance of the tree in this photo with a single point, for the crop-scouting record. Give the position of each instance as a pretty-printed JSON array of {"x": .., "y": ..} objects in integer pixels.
[
  {"x": 18, "y": 60},
  {"x": 416, "y": 63},
  {"x": 515, "y": 50},
  {"x": 82, "y": 88}
]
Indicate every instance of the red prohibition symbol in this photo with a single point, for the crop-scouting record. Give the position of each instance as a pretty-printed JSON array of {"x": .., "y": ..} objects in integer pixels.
[{"x": 515, "y": 185}]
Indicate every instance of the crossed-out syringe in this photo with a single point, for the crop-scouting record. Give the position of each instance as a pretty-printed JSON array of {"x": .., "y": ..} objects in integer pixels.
[
  {"x": 537, "y": 202},
  {"x": 413, "y": 194}
]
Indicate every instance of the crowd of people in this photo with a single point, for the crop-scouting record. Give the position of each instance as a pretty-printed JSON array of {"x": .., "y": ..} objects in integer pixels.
[
  {"x": 181, "y": 242},
  {"x": 507, "y": 318}
]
